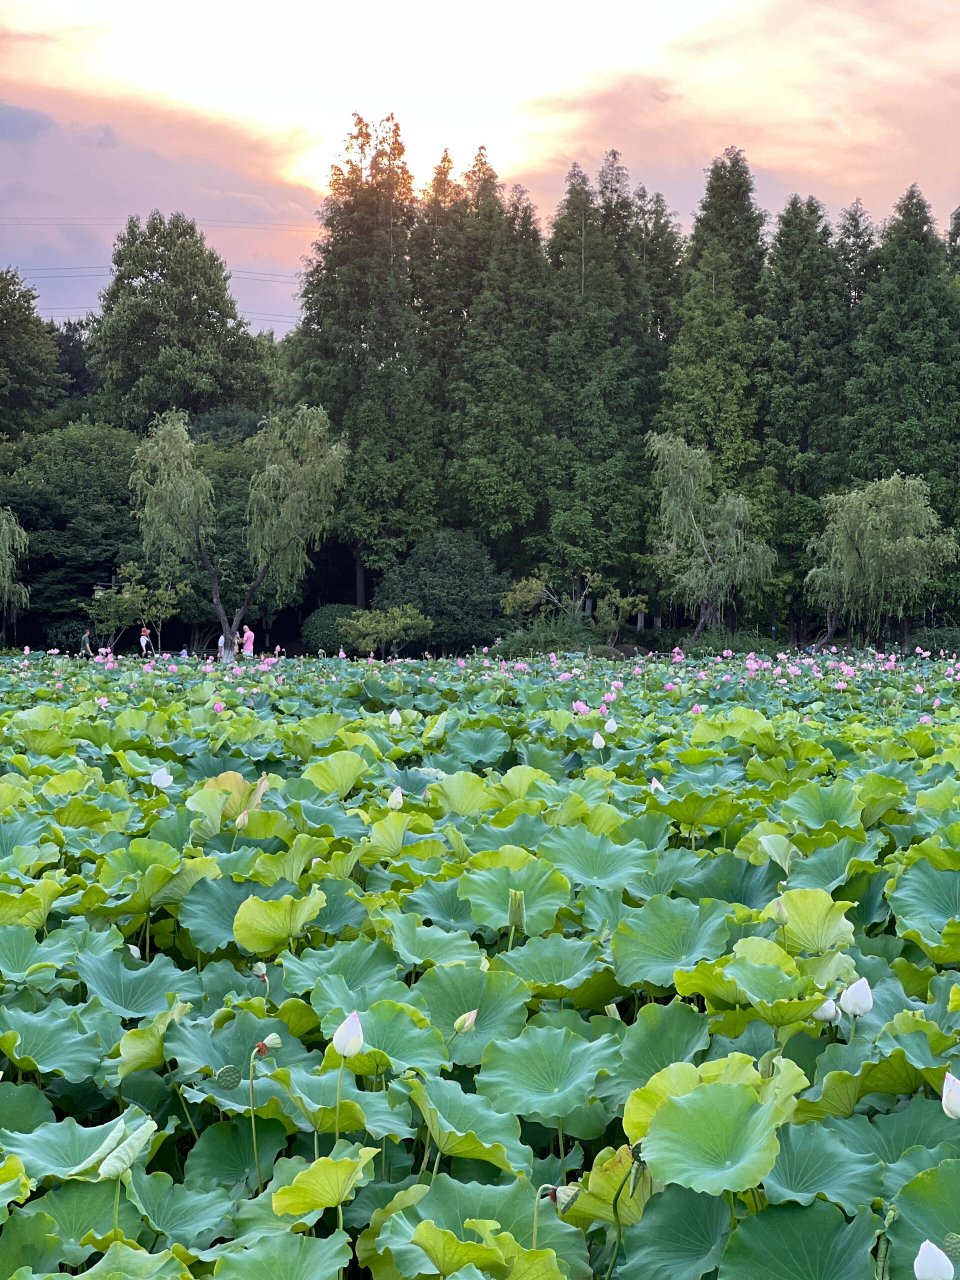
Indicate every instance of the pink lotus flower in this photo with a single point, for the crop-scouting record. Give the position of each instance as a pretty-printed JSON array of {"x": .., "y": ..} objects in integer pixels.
[
  {"x": 581, "y": 708},
  {"x": 218, "y": 707}
]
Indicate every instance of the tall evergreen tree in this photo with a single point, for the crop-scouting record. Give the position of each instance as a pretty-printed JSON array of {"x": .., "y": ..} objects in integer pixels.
[
  {"x": 857, "y": 247},
  {"x": 904, "y": 394},
  {"x": 802, "y": 328},
  {"x": 29, "y": 378},
  {"x": 592, "y": 512},
  {"x": 729, "y": 219},
  {"x": 497, "y": 395},
  {"x": 357, "y": 352},
  {"x": 708, "y": 393}
]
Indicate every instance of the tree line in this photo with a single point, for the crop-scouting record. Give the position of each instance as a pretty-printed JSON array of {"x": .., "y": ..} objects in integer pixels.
[{"x": 622, "y": 419}]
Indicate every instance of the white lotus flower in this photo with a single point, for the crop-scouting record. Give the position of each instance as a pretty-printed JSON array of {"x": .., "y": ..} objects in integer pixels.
[
  {"x": 611, "y": 725},
  {"x": 828, "y": 1012},
  {"x": 134, "y": 950},
  {"x": 656, "y": 785},
  {"x": 395, "y": 800},
  {"x": 259, "y": 970},
  {"x": 857, "y": 999},
  {"x": 272, "y": 1041},
  {"x": 932, "y": 1263},
  {"x": 162, "y": 778},
  {"x": 466, "y": 1022},
  {"x": 598, "y": 741},
  {"x": 348, "y": 1037},
  {"x": 396, "y": 719},
  {"x": 951, "y": 1096}
]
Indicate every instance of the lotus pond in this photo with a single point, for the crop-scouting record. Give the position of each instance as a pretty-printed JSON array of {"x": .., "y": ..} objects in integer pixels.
[{"x": 654, "y": 969}]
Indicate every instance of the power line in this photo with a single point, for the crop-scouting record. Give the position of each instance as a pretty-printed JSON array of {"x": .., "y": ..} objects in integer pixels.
[{"x": 224, "y": 223}]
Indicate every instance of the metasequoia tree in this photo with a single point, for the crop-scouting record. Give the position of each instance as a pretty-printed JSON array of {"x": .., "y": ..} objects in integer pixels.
[
  {"x": 881, "y": 549},
  {"x": 298, "y": 473},
  {"x": 708, "y": 549}
]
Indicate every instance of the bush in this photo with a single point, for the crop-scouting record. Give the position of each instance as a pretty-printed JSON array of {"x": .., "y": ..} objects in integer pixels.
[
  {"x": 322, "y": 629},
  {"x": 716, "y": 639},
  {"x": 450, "y": 578},
  {"x": 554, "y": 633},
  {"x": 371, "y": 629}
]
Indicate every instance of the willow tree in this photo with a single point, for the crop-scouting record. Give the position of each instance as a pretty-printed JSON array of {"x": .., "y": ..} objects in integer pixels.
[
  {"x": 298, "y": 472},
  {"x": 14, "y": 596},
  {"x": 708, "y": 551},
  {"x": 881, "y": 550}
]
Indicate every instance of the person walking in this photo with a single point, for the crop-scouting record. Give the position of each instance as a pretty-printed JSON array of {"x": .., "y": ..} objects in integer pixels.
[
  {"x": 86, "y": 649},
  {"x": 145, "y": 642},
  {"x": 248, "y": 639},
  {"x": 221, "y": 647}
]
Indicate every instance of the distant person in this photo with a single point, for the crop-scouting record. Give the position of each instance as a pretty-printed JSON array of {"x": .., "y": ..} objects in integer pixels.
[
  {"x": 145, "y": 642},
  {"x": 86, "y": 650},
  {"x": 184, "y": 652},
  {"x": 236, "y": 644},
  {"x": 221, "y": 646},
  {"x": 248, "y": 639}
]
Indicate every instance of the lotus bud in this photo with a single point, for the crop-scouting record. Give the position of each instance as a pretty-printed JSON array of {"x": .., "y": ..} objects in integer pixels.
[
  {"x": 259, "y": 970},
  {"x": 932, "y": 1263},
  {"x": 598, "y": 741},
  {"x": 268, "y": 1044},
  {"x": 656, "y": 785},
  {"x": 611, "y": 725},
  {"x": 778, "y": 913},
  {"x": 134, "y": 950},
  {"x": 348, "y": 1037},
  {"x": 162, "y": 778},
  {"x": 466, "y": 1022},
  {"x": 395, "y": 800},
  {"x": 396, "y": 719},
  {"x": 951, "y": 1096},
  {"x": 828, "y": 1012},
  {"x": 857, "y": 999},
  {"x": 517, "y": 911},
  {"x": 565, "y": 1197}
]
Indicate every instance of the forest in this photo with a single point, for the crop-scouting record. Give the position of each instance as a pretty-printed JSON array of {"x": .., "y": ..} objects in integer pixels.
[{"x": 587, "y": 424}]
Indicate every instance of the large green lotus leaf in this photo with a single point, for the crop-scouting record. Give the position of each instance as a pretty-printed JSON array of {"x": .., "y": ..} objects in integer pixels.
[
  {"x": 418, "y": 944},
  {"x": 134, "y": 990},
  {"x": 25, "y": 961},
  {"x": 834, "y": 864},
  {"x": 925, "y": 901},
  {"x": 463, "y": 794},
  {"x": 815, "y": 923},
  {"x": 717, "y": 1138},
  {"x": 337, "y": 774},
  {"x": 926, "y": 1210},
  {"x": 665, "y": 935},
  {"x": 681, "y": 1078},
  {"x": 545, "y": 891},
  {"x": 587, "y": 859},
  {"x": 265, "y": 928},
  {"x": 141, "y": 1048},
  {"x": 463, "y": 1126},
  {"x": 438, "y": 902},
  {"x": 448, "y": 1254},
  {"x": 30, "y": 1243},
  {"x": 499, "y": 998},
  {"x": 209, "y": 909},
  {"x": 23, "y": 1107},
  {"x": 53, "y": 1042},
  {"x": 552, "y": 967},
  {"x": 722, "y": 876},
  {"x": 451, "y": 1204},
  {"x": 207, "y": 1046},
  {"x": 395, "y": 1038},
  {"x": 790, "y": 1243},
  {"x": 64, "y": 1149},
  {"x": 329, "y": 1181},
  {"x": 660, "y": 1035},
  {"x": 681, "y": 1237},
  {"x": 816, "y": 806},
  {"x": 182, "y": 1214},
  {"x": 80, "y": 1209},
  {"x": 287, "y": 1257},
  {"x": 921, "y": 1122},
  {"x": 223, "y": 1155},
  {"x": 813, "y": 1161},
  {"x": 310, "y": 1100},
  {"x": 477, "y": 746},
  {"x": 913, "y": 1161},
  {"x": 362, "y": 964},
  {"x": 124, "y": 1262},
  {"x": 546, "y": 1074}
]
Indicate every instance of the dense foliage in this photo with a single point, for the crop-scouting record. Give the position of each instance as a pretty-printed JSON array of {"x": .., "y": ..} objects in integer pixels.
[
  {"x": 479, "y": 969},
  {"x": 500, "y": 378}
]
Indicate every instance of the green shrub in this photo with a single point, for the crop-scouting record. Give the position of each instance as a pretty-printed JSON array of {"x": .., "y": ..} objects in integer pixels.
[
  {"x": 555, "y": 633},
  {"x": 379, "y": 629},
  {"x": 322, "y": 629},
  {"x": 933, "y": 639}
]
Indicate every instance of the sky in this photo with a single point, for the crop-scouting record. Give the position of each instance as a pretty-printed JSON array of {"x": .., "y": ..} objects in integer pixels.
[{"x": 234, "y": 112}]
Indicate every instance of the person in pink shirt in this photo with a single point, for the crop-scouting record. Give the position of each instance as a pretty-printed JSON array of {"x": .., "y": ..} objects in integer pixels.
[{"x": 248, "y": 638}]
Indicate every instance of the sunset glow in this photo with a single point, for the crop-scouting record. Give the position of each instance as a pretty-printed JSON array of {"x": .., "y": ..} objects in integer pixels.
[{"x": 235, "y": 116}]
